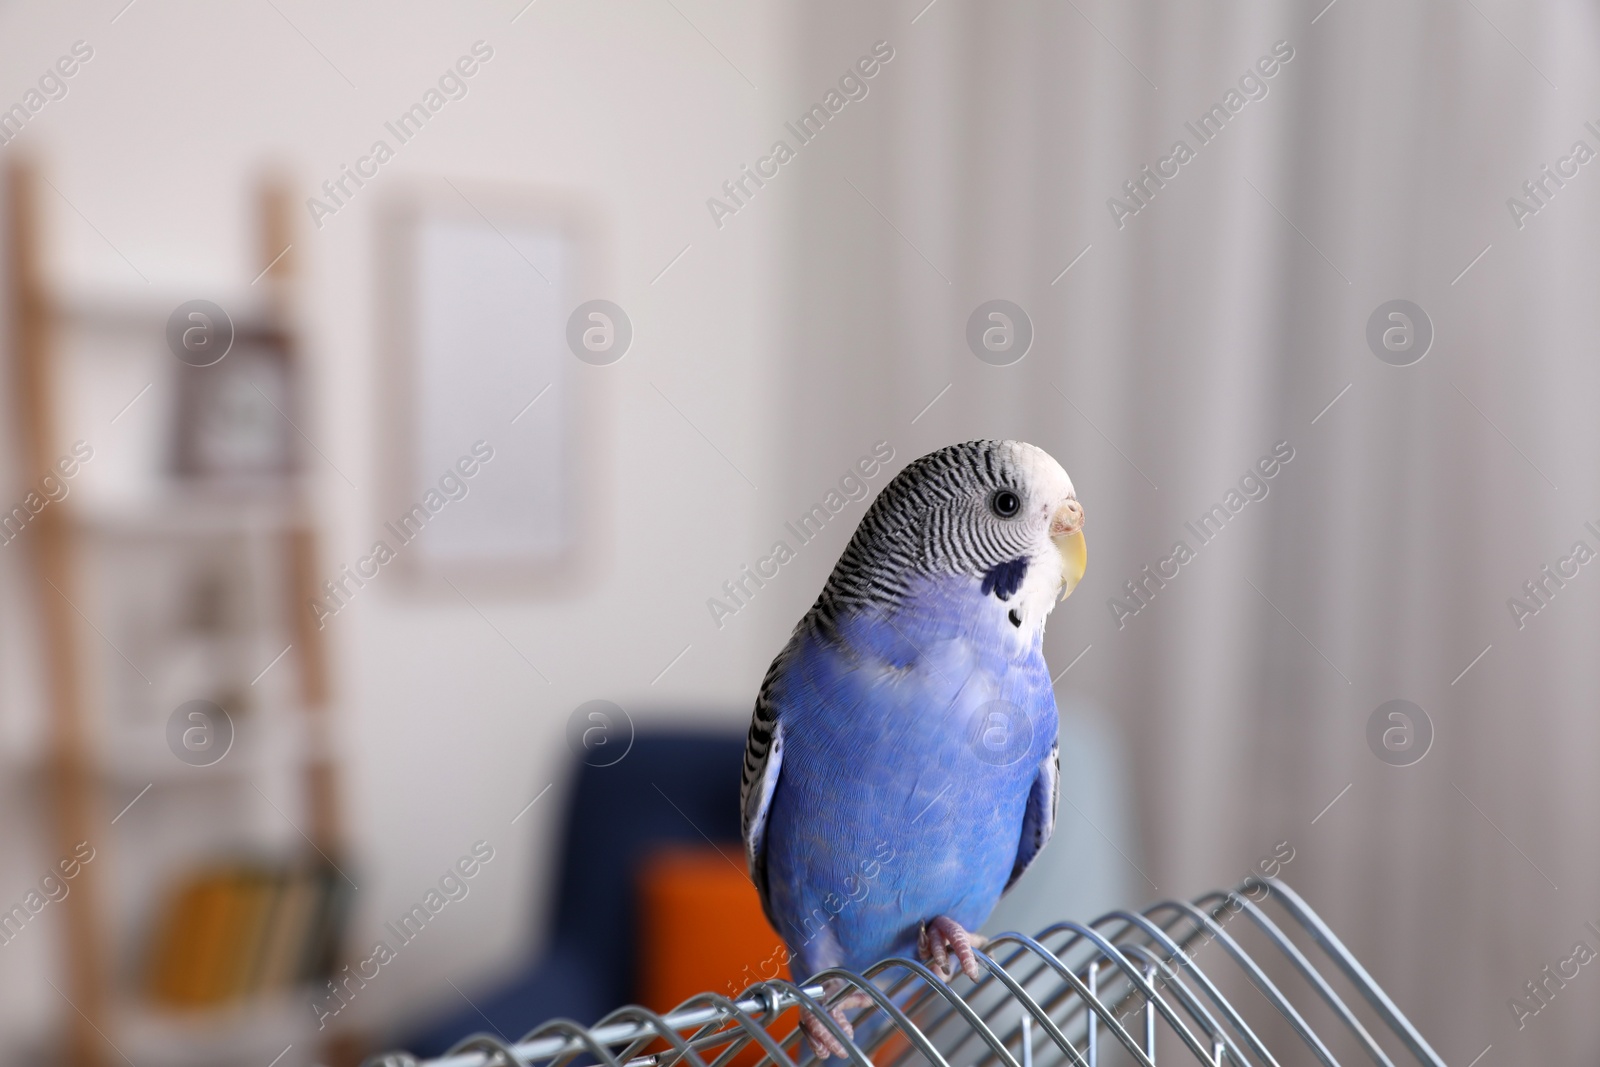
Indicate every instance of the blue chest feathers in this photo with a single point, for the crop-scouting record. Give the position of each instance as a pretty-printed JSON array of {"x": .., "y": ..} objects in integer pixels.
[{"x": 893, "y": 804}]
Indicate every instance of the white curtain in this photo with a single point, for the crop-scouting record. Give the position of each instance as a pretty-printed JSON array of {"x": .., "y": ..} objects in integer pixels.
[{"x": 1222, "y": 319}]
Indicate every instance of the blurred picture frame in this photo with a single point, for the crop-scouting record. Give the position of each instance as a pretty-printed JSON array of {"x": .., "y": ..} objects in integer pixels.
[
  {"x": 233, "y": 419},
  {"x": 495, "y": 435}
]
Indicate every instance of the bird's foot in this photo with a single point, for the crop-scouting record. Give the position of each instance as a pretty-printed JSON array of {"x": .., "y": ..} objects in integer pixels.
[
  {"x": 943, "y": 943},
  {"x": 818, "y": 1036}
]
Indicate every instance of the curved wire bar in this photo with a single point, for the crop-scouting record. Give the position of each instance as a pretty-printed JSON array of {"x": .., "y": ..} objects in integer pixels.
[
  {"x": 536, "y": 1045},
  {"x": 1290, "y": 901},
  {"x": 1029, "y": 949},
  {"x": 1047, "y": 961},
  {"x": 1073, "y": 938},
  {"x": 1262, "y": 982},
  {"x": 809, "y": 1003},
  {"x": 1133, "y": 976},
  {"x": 1097, "y": 973},
  {"x": 499, "y": 1053},
  {"x": 756, "y": 1031},
  {"x": 717, "y": 1032},
  {"x": 942, "y": 989},
  {"x": 1030, "y": 1006},
  {"x": 1310, "y": 973},
  {"x": 1078, "y": 986},
  {"x": 886, "y": 1004},
  {"x": 580, "y": 1038},
  {"x": 1190, "y": 1003},
  {"x": 1041, "y": 967},
  {"x": 1179, "y": 953},
  {"x": 661, "y": 1030}
]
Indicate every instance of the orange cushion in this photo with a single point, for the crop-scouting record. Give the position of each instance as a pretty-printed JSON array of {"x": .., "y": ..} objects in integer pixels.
[{"x": 701, "y": 928}]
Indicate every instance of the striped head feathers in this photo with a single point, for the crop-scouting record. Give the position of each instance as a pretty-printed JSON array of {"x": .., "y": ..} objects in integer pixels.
[{"x": 1002, "y": 513}]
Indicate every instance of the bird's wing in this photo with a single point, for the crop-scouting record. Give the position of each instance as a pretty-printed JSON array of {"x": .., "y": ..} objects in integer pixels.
[
  {"x": 763, "y": 759},
  {"x": 1039, "y": 817}
]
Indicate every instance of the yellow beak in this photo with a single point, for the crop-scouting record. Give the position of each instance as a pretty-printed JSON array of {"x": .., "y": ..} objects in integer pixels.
[
  {"x": 1074, "y": 560},
  {"x": 1066, "y": 530}
]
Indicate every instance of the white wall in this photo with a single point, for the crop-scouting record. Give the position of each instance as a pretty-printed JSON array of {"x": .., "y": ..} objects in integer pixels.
[{"x": 445, "y": 732}]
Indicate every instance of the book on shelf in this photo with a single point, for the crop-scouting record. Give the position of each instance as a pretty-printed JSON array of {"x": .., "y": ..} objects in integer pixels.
[
  {"x": 283, "y": 951},
  {"x": 237, "y": 930}
]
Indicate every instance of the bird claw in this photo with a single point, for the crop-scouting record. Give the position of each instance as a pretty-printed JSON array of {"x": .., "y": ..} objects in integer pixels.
[
  {"x": 942, "y": 931},
  {"x": 823, "y": 1041}
]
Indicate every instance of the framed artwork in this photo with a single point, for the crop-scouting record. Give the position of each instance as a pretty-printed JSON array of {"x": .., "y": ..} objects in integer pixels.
[
  {"x": 493, "y": 432},
  {"x": 234, "y": 417}
]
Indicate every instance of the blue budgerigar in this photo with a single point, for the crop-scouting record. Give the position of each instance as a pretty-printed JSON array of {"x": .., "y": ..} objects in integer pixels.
[{"x": 901, "y": 768}]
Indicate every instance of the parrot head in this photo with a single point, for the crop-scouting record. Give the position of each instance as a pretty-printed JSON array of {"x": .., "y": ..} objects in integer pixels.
[{"x": 1002, "y": 513}]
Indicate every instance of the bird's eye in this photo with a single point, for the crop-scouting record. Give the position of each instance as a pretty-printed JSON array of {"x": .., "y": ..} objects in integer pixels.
[{"x": 1005, "y": 503}]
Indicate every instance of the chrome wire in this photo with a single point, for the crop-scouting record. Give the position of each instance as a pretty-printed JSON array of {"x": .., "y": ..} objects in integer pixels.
[{"x": 1068, "y": 997}]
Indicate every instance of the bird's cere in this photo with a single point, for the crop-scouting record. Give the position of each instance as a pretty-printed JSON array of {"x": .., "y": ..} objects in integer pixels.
[
  {"x": 1066, "y": 530},
  {"x": 1068, "y": 519}
]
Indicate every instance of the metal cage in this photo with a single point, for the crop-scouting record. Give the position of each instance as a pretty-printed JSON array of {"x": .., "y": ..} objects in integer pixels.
[{"x": 1185, "y": 980}]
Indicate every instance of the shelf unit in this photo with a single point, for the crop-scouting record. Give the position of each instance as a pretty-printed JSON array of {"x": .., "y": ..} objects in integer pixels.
[{"x": 96, "y": 755}]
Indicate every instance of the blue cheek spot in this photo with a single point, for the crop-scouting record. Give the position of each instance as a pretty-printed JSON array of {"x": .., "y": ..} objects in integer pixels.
[{"x": 1003, "y": 579}]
